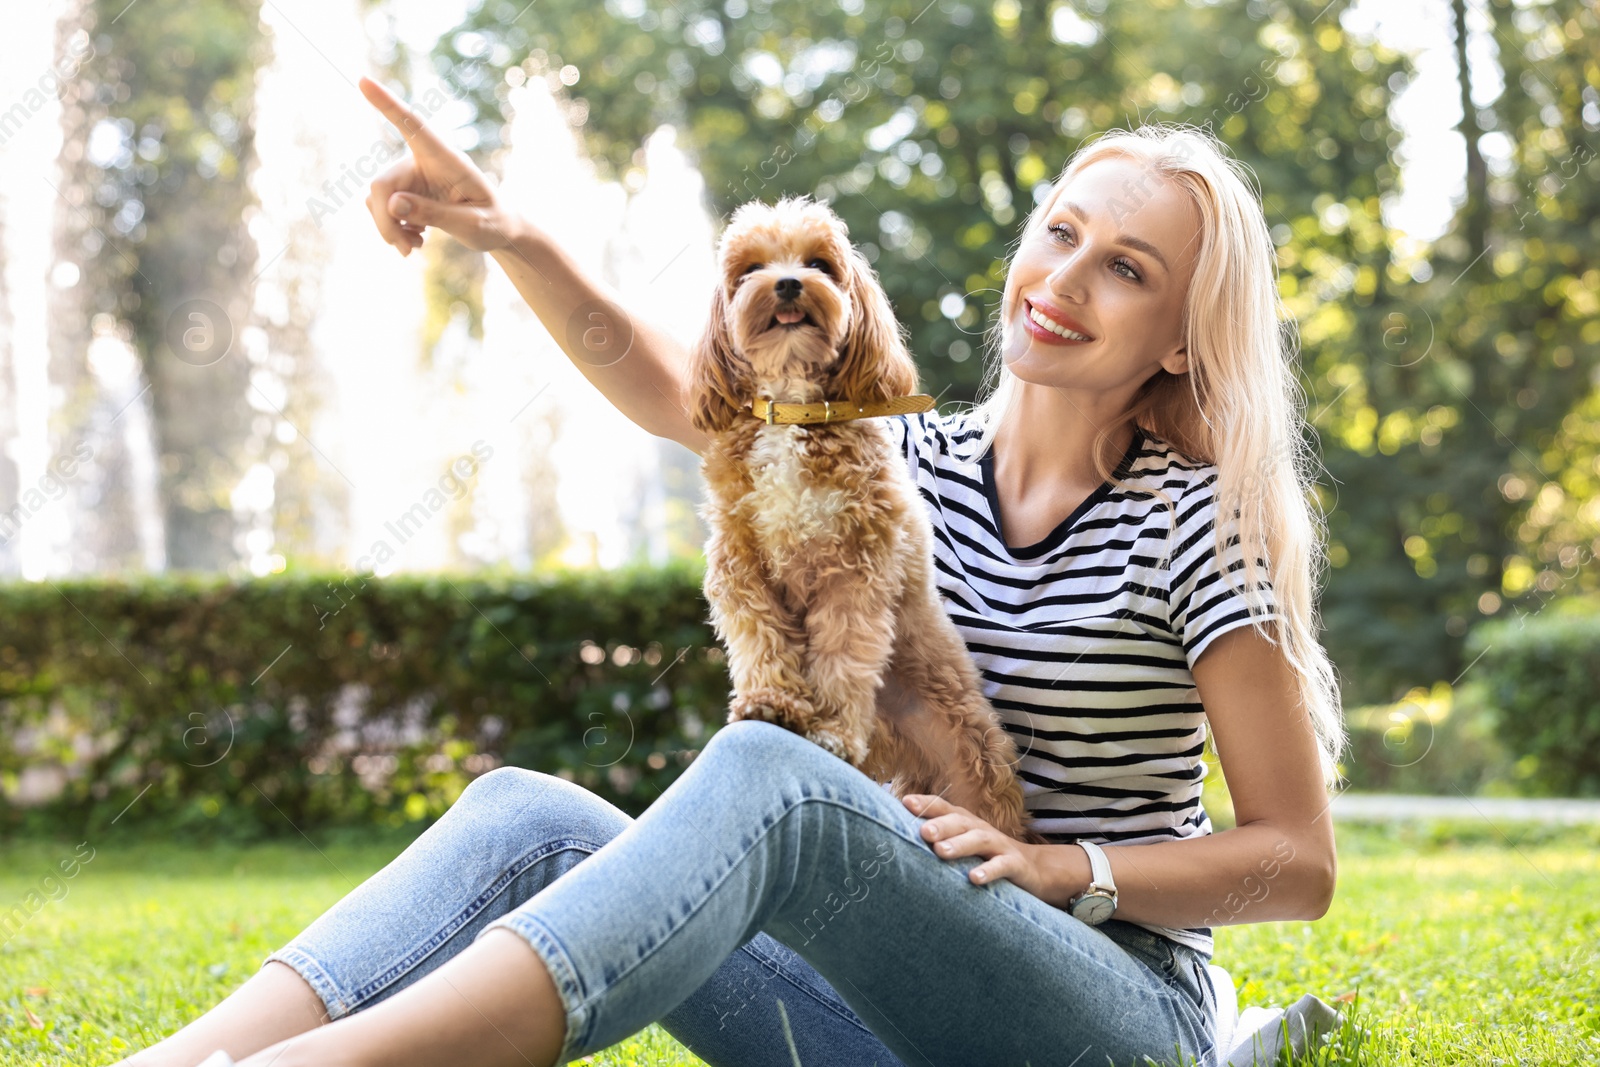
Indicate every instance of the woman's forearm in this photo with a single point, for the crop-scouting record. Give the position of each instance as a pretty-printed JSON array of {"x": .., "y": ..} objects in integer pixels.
[
  {"x": 638, "y": 367},
  {"x": 1252, "y": 873}
]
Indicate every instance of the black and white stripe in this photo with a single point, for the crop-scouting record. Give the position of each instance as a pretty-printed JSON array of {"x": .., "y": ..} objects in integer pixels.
[{"x": 1086, "y": 640}]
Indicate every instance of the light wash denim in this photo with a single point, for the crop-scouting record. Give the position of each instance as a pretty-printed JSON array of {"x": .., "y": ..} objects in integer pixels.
[{"x": 770, "y": 873}]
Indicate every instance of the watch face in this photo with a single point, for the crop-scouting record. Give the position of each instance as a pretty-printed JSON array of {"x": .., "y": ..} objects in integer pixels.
[{"x": 1093, "y": 909}]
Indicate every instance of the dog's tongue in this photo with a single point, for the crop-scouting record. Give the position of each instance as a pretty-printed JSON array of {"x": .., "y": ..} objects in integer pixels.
[{"x": 790, "y": 316}]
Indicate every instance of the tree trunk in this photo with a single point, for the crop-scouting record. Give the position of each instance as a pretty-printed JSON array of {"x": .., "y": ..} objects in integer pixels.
[{"x": 1475, "y": 212}]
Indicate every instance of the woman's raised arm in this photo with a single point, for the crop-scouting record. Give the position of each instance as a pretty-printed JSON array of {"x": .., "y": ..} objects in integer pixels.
[{"x": 638, "y": 367}]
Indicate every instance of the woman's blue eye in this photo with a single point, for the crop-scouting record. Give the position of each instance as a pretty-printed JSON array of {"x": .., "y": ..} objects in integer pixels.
[{"x": 1061, "y": 229}]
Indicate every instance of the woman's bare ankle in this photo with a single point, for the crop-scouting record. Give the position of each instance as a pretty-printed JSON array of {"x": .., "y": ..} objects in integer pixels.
[{"x": 274, "y": 1005}]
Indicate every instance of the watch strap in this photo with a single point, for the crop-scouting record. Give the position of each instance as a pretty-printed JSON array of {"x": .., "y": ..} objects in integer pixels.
[{"x": 1099, "y": 867}]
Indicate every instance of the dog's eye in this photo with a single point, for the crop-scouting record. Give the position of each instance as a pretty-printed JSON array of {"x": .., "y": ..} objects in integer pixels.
[
  {"x": 820, "y": 264},
  {"x": 751, "y": 267}
]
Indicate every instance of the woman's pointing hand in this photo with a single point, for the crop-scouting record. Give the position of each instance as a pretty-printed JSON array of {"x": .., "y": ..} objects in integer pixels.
[{"x": 432, "y": 185}]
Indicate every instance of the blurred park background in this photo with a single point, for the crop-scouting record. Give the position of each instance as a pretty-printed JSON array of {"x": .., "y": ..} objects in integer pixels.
[{"x": 298, "y": 536}]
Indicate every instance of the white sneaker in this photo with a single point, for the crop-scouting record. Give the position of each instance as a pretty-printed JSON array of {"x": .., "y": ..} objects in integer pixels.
[{"x": 1257, "y": 1035}]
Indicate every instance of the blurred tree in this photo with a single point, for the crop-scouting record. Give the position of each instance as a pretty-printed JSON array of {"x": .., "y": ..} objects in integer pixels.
[
  {"x": 1466, "y": 483},
  {"x": 1543, "y": 274},
  {"x": 81, "y": 315},
  {"x": 157, "y": 150}
]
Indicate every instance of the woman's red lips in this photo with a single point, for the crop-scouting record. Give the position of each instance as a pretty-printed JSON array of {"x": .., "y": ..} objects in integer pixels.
[{"x": 1056, "y": 316}]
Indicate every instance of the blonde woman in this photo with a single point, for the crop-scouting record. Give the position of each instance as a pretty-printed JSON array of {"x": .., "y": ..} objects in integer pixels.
[{"x": 775, "y": 905}]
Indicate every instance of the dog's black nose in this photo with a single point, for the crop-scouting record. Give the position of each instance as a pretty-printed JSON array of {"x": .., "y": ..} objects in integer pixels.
[{"x": 787, "y": 288}]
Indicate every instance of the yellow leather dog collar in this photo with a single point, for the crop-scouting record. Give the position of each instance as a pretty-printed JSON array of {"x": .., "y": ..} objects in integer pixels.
[{"x": 775, "y": 413}]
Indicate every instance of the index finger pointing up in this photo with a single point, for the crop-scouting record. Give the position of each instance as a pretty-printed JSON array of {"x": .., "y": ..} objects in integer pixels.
[{"x": 407, "y": 121}]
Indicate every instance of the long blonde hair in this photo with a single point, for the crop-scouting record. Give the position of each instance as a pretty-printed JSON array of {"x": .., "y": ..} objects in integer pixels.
[{"x": 1239, "y": 406}]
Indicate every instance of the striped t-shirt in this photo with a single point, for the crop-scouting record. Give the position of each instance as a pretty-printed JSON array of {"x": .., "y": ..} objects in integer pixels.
[{"x": 1085, "y": 641}]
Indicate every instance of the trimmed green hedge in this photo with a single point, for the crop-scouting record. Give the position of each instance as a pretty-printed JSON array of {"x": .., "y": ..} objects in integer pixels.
[
  {"x": 298, "y": 701},
  {"x": 1542, "y": 678}
]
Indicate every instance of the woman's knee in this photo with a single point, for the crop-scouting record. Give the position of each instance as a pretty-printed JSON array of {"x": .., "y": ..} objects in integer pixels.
[
  {"x": 763, "y": 742},
  {"x": 765, "y": 755},
  {"x": 525, "y": 803}
]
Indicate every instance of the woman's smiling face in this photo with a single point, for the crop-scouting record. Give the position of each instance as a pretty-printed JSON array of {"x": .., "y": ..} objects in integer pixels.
[{"x": 1094, "y": 299}]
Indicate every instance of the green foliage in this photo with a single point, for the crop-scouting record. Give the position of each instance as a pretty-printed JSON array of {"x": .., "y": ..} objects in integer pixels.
[
  {"x": 1469, "y": 420},
  {"x": 267, "y": 705},
  {"x": 1430, "y": 742},
  {"x": 1542, "y": 673}
]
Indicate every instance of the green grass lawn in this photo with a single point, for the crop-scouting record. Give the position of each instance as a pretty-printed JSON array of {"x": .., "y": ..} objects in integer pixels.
[{"x": 1461, "y": 945}]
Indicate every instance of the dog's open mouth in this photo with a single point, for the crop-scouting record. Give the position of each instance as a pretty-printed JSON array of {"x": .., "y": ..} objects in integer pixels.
[{"x": 792, "y": 317}]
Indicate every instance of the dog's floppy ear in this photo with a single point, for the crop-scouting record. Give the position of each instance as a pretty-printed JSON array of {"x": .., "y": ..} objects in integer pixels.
[
  {"x": 873, "y": 361},
  {"x": 718, "y": 381}
]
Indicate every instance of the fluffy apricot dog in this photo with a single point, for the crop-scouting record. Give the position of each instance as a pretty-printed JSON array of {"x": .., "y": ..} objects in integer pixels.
[{"x": 819, "y": 565}]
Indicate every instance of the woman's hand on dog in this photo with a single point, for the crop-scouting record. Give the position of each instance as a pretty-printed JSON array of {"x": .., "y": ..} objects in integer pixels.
[
  {"x": 953, "y": 832},
  {"x": 432, "y": 185}
]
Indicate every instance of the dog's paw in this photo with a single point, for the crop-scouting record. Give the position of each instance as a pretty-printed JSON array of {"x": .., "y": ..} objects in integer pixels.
[
  {"x": 770, "y": 705},
  {"x": 853, "y": 750}
]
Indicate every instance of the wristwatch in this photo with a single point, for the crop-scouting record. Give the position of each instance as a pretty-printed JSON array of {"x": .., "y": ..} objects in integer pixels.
[{"x": 1097, "y": 903}]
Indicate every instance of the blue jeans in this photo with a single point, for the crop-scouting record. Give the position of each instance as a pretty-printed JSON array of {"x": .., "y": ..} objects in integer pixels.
[{"x": 770, "y": 873}]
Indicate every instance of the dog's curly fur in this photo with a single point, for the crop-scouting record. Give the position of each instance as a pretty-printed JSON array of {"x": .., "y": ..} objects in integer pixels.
[{"x": 819, "y": 565}]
